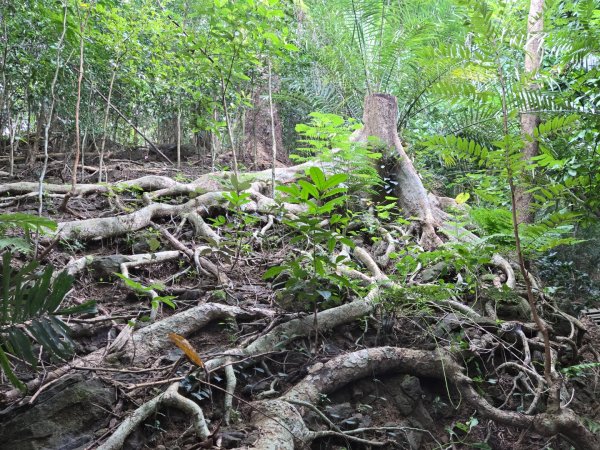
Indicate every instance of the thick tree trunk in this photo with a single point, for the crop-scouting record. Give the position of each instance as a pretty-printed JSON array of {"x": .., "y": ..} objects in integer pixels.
[
  {"x": 533, "y": 61},
  {"x": 380, "y": 118}
]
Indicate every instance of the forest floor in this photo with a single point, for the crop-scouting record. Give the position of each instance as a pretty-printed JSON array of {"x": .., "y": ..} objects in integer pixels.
[{"x": 238, "y": 320}]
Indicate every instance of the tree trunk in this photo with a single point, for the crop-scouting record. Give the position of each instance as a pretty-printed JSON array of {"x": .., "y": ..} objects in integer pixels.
[
  {"x": 262, "y": 125},
  {"x": 78, "y": 104},
  {"x": 533, "y": 61},
  {"x": 39, "y": 125},
  {"x": 105, "y": 126},
  {"x": 273, "y": 134},
  {"x": 179, "y": 136},
  {"x": 380, "y": 118}
]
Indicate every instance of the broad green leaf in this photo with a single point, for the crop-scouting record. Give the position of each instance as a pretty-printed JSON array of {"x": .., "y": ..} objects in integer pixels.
[
  {"x": 318, "y": 177},
  {"x": 272, "y": 272},
  {"x": 462, "y": 198}
]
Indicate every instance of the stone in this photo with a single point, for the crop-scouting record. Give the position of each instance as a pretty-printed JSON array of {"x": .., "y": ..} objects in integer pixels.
[
  {"x": 340, "y": 412},
  {"x": 65, "y": 416}
]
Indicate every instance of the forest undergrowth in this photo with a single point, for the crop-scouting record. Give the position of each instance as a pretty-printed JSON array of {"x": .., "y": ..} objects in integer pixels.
[{"x": 226, "y": 318}]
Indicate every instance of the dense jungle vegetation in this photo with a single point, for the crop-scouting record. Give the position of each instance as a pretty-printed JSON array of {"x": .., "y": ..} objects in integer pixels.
[{"x": 320, "y": 224}]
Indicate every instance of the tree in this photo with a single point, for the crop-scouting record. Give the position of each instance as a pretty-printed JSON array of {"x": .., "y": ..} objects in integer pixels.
[{"x": 529, "y": 121}]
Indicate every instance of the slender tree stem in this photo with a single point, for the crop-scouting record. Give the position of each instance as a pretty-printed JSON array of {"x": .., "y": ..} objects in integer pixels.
[
  {"x": 51, "y": 111},
  {"x": 530, "y": 296},
  {"x": 82, "y": 24},
  {"x": 273, "y": 137},
  {"x": 105, "y": 125}
]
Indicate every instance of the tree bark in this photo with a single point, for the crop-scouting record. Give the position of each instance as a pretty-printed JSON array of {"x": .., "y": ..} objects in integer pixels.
[
  {"x": 380, "y": 118},
  {"x": 273, "y": 135},
  {"x": 529, "y": 121},
  {"x": 105, "y": 126},
  {"x": 179, "y": 136},
  {"x": 263, "y": 128}
]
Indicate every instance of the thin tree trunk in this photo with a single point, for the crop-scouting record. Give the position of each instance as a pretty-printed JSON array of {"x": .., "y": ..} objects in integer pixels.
[
  {"x": 38, "y": 135},
  {"x": 83, "y": 143},
  {"x": 49, "y": 119},
  {"x": 229, "y": 125},
  {"x": 273, "y": 137},
  {"x": 533, "y": 61},
  {"x": 4, "y": 91},
  {"x": 51, "y": 110},
  {"x": 78, "y": 104},
  {"x": 104, "y": 126},
  {"x": 231, "y": 139},
  {"x": 213, "y": 144},
  {"x": 12, "y": 132},
  {"x": 179, "y": 136}
]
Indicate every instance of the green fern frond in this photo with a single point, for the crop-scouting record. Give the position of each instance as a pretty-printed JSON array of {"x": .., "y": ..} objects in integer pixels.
[
  {"x": 453, "y": 148},
  {"x": 553, "y": 231},
  {"x": 555, "y": 125},
  {"x": 29, "y": 307}
]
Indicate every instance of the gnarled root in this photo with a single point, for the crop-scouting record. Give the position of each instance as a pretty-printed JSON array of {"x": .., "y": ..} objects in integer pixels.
[
  {"x": 170, "y": 397},
  {"x": 339, "y": 371}
]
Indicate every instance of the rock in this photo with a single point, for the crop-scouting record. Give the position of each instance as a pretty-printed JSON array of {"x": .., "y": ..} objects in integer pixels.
[
  {"x": 433, "y": 273},
  {"x": 340, "y": 412},
  {"x": 406, "y": 392},
  {"x": 411, "y": 387},
  {"x": 64, "y": 417},
  {"x": 103, "y": 267},
  {"x": 232, "y": 438},
  {"x": 412, "y": 434}
]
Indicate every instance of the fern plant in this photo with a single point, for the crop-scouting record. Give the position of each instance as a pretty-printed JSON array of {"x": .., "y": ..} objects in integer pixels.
[
  {"x": 27, "y": 224},
  {"x": 30, "y": 313},
  {"x": 327, "y": 137},
  {"x": 489, "y": 85},
  {"x": 30, "y": 300}
]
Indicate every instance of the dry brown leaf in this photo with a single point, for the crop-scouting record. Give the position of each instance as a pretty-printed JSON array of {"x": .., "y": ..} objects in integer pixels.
[{"x": 187, "y": 348}]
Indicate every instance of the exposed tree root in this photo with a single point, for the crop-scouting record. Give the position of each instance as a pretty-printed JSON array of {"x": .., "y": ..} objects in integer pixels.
[
  {"x": 100, "y": 228},
  {"x": 150, "y": 341},
  {"x": 281, "y": 423},
  {"x": 280, "y": 420},
  {"x": 170, "y": 397}
]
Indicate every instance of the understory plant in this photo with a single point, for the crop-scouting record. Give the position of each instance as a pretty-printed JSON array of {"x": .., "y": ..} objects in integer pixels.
[
  {"x": 237, "y": 223},
  {"x": 31, "y": 299},
  {"x": 309, "y": 279},
  {"x": 490, "y": 78},
  {"x": 327, "y": 137}
]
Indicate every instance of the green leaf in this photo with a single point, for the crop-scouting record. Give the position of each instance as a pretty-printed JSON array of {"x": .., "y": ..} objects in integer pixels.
[
  {"x": 89, "y": 307},
  {"x": 132, "y": 284},
  {"x": 22, "y": 346},
  {"x": 272, "y": 272},
  {"x": 167, "y": 300},
  {"x": 335, "y": 180},
  {"x": 154, "y": 244},
  {"x": 43, "y": 332},
  {"x": 319, "y": 268},
  {"x": 310, "y": 188},
  {"x": 318, "y": 177},
  {"x": 5, "y": 364},
  {"x": 27, "y": 222},
  {"x": 462, "y": 198}
]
